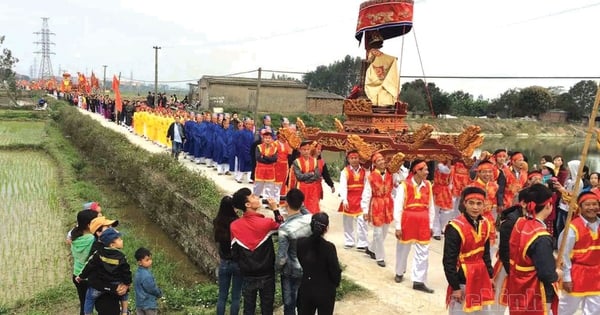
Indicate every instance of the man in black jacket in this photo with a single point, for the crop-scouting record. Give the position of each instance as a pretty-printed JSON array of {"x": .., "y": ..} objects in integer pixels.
[
  {"x": 176, "y": 134},
  {"x": 252, "y": 248}
]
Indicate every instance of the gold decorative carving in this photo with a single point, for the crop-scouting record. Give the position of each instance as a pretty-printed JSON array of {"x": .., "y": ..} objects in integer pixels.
[
  {"x": 421, "y": 136},
  {"x": 291, "y": 136},
  {"x": 469, "y": 140},
  {"x": 396, "y": 162},
  {"x": 338, "y": 125},
  {"x": 306, "y": 131},
  {"x": 357, "y": 106},
  {"x": 364, "y": 149}
]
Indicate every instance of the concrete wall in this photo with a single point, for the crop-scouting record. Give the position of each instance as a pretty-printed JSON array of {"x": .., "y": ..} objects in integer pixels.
[
  {"x": 279, "y": 99},
  {"x": 324, "y": 106}
]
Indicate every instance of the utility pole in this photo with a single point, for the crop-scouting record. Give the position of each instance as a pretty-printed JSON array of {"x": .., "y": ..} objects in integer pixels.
[
  {"x": 45, "y": 71},
  {"x": 156, "y": 48},
  {"x": 257, "y": 94},
  {"x": 104, "y": 80}
]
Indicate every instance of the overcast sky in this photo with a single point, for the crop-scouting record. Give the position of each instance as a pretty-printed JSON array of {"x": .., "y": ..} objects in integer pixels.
[{"x": 455, "y": 38}]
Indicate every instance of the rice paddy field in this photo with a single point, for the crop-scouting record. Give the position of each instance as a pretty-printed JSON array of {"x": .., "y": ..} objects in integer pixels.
[
  {"x": 21, "y": 132},
  {"x": 31, "y": 231}
]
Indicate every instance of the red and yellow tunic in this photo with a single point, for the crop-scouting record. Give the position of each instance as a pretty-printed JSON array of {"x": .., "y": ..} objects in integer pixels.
[
  {"x": 478, "y": 290},
  {"x": 513, "y": 185},
  {"x": 491, "y": 188},
  {"x": 265, "y": 172},
  {"x": 310, "y": 190},
  {"x": 526, "y": 294},
  {"x": 381, "y": 210},
  {"x": 585, "y": 269},
  {"x": 355, "y": 185},
  {"x": 281, "y": 166},
  {"x": 442, "y": 196},
  {"x": 414, "y": 221},
  {"x": 459, "y": 174}
]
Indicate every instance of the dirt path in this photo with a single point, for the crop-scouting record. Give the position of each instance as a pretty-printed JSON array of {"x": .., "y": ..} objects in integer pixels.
[{"x": 386, "y": 297}]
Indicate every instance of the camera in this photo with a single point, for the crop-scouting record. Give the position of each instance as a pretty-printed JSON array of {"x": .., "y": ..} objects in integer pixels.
[{"x": 266, "y": 201}]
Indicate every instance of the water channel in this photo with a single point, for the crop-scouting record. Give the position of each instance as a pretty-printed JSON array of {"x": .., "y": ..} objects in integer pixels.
[{"x": 128, "y": 212}]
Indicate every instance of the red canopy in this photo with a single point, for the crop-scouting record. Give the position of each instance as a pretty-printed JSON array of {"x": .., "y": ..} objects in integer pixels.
[{"x": 391, "y": 18}]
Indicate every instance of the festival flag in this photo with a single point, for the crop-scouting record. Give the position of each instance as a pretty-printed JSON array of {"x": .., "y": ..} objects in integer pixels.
[
  {"x": 118, "y": 101},
  {"x": 94, "y": 82}
]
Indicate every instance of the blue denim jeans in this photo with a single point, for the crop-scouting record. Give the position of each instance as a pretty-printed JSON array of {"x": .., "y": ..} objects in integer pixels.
[
  {"x": 229, "y": 274},
  {"x": 176, "y": 147},
  {"x": 92, "y": 295},
  {"x": 289, "y": 292}
]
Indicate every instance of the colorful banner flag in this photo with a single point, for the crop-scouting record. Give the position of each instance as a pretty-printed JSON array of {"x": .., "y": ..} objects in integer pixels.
[{"x": 118, "y": 100}]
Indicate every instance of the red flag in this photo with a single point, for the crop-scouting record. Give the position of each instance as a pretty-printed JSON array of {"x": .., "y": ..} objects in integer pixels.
[{"x": 118, "y": 101}]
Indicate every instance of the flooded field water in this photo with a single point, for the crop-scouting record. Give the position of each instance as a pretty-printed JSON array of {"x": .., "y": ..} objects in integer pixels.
[{"x": 31, "y": 234}]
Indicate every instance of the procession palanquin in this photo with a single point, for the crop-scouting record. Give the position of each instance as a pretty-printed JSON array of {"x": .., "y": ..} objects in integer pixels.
[{"x": 376, "y": 126}]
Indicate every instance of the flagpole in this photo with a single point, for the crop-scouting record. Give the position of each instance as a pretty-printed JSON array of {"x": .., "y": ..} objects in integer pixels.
[
  {"x": 573, "y": 201},
  {"x": 116, "y": 110}
]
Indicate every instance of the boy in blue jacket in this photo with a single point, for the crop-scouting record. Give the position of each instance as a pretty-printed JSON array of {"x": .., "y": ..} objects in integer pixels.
[{"x": 146, "y": 291}]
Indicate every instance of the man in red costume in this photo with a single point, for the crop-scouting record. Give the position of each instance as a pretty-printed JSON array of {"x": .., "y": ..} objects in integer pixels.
[
  {"x": 352, "y": 184},
  {"x": 516, "y": 178},
  {"x": 467, "y": 262},
  {"x": 459, "y": 175},
  {"x": 264, "y": 173},
  {"x": 378, "y": 206},
  {"x": 284, "y": 150},
  {"x": 581, "y": 281},
  {"x": 413, "y": 215},
  {"x": 442, "y": 199},
  {"x": 485, "y": 181},
  {"x": 308, "y": 177},
  {"x": 533, "y": 276}
]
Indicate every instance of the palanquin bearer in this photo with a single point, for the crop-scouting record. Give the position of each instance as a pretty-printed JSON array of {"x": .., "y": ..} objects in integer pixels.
[
  {"x": 442, "y": 199},
  {"x": 467, "y": 262},
  {"x": 352, "y": 184},
  {"x": 284, "y": 150},
  {"x": 377, "y": 205},
  {"x": 413, "y": 215},
  {"x": 507, "y": 218},
  {"x": 485, "y": 181},
  {"x": 308, "y": 178},
  {"x": 459, "y": 175},
  {"x": 532, "y": 282},
  {"x": 264, "y": 174},
  {"x": 581, "y": 259}
]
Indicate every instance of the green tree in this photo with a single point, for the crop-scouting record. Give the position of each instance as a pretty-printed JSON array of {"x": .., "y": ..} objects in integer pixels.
[
  {"x": 338, "y": 77},
  {"x": 415, "y": 99},
  {"x": 7, "y": 62},
  {"x": 565, "y": 102},
  {"x": 430, "y": 93},
  {"x": 583, "y": 94},
  {"x": 505, "y": 104},
  {"x": 533, "y": 101}
]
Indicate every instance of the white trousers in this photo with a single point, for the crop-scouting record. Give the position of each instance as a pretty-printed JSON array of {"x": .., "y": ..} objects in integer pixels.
[
  {"x": 376, "y": 246},
  {"x": 456, "y": 308},
  {"x": 420, "y": 262},
  {"x": 497, "y": 308},
  {"x": 265, "y": 189},
  {"x": 441, "y": 219},
  {"x": 240, "y": 175},
  {"x": 568, "y": 304},
  {"x": 361, "y": 231},
  {"x": 222, "y": 168}
]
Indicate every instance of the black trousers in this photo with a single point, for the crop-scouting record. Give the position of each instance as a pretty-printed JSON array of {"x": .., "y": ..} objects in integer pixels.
[
  {"x": 81, "y": 290},
  {"x": 315, "y": 300},
  {"x": 265, "y": 287}
]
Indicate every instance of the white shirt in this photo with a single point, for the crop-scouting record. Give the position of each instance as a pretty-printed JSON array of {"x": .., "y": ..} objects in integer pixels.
[{"x": 365, "y": 200}]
